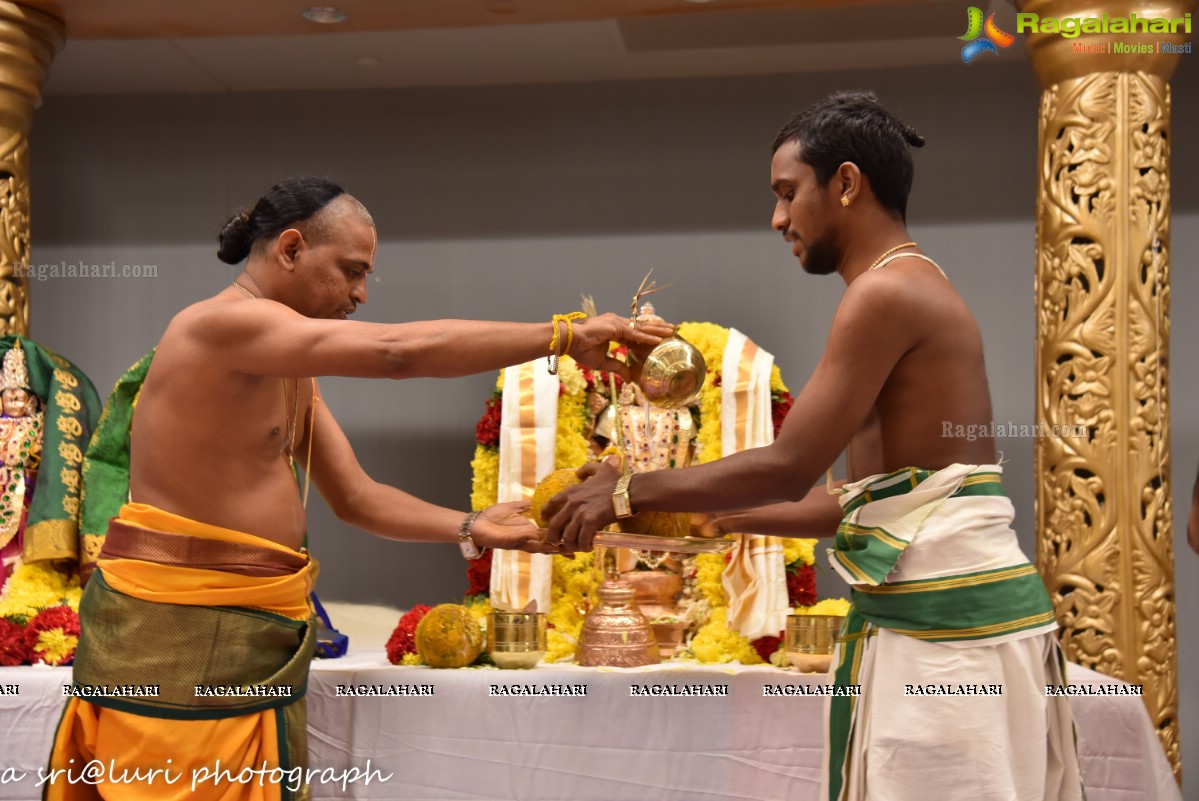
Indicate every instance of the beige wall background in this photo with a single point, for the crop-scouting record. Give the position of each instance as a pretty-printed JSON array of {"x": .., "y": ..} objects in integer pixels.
[{"x": 507, "y": 202}]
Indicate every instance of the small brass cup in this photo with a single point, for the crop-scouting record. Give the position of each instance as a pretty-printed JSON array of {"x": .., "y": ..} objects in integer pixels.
[
  {"x": 810, "y": 641},
  {"x": 516, "y": 640}
]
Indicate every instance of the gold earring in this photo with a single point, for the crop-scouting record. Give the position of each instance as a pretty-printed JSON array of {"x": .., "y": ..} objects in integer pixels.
[{"x": 845, "y": 200}]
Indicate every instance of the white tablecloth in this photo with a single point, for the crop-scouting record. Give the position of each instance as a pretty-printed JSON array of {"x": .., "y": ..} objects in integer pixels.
[{"x": 463, "y": 743}]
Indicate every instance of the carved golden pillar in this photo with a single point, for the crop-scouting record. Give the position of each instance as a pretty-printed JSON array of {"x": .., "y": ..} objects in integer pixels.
[
  {"x": 29, "y": 38},
  {"x": 1103, "y": 331}
]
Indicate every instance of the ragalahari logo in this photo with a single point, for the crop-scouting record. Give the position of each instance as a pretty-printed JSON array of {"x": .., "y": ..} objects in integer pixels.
[{"x": 993, "y": 36}]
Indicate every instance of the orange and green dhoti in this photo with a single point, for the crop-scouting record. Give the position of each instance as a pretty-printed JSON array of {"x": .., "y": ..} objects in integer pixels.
[{"x": 192, "y": 666}]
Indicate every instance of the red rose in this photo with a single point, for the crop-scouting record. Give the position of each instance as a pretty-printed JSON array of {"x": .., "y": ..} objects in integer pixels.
[
  {"x": 487, "y": 430},
  {"x": 801, "y": 586},
  {"x": 478, "y": 575},
  {"x": 403, "y": 639},
  {"x": 14, "y": 644},
  {"x": 780, "y": 404},
  {"x": 765, "y": 646}
]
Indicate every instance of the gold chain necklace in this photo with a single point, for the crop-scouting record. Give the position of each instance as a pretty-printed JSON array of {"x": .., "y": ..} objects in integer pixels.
[
  {"x": 877, "y": 261},
  {"x": 243, "y": 289}
]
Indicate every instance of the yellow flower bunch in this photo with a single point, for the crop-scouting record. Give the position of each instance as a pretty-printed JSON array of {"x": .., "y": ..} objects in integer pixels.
[
  {"x": 709, "y": 567},
  {"x": 715, "y": 642},
  {"x": 485, "y": 481},
  {"x": 711, "y": 340},
  {"x": 802, "y": 550},
  {"x": 34, "y": 586},
  {"x": 829, "y": 606},
  {"x": 571, "y": 448},
  {"x": 52, "y": 647},
  {"x": 480, "y": 610},
  {"x": 572, "y": 594}
]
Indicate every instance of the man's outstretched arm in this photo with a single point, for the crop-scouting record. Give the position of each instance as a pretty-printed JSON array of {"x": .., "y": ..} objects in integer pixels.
[
  {"x": 871, "y": 332},
  {"x": 262, "y": 337}
]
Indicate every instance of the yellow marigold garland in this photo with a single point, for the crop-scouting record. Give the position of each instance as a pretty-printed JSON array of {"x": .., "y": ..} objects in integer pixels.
[
  {"x": 35, "y": 586},
  {"x": 572, "y": 595}
]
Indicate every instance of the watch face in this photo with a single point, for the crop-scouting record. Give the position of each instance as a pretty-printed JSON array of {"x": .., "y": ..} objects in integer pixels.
[
  {"x": 469, "y": 549},
  {"x": 621, "y": 504}
]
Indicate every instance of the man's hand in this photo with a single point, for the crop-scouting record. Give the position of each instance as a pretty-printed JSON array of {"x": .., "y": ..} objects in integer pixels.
[
  {"x": 707, "y": 526},
  {"x": 593, "y": 335},
  {"x": 506, "y": 526},
  {"x": 578, "y": 513}
]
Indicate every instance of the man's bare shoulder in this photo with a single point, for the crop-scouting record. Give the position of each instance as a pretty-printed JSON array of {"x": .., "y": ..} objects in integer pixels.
[
  {"x": 219, "y": 317},
  {"x": 908, "y": 292}
]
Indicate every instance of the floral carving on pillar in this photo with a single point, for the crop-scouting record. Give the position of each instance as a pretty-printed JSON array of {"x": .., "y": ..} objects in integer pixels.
[{"x": 1102, "y": 287}]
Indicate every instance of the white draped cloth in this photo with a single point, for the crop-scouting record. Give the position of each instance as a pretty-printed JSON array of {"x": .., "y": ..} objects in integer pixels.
[
  {"x": 755, "y": 579},
  {"x": 528, "y": 438}
]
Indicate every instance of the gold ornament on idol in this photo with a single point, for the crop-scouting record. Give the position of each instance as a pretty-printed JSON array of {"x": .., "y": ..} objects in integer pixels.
[{"x": 891, "y": 252}]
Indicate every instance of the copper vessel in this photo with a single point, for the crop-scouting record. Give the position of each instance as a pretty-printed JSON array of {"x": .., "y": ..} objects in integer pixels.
[
  {"x": 656, "y": 591},
  {"x": 615, "y": 633}
]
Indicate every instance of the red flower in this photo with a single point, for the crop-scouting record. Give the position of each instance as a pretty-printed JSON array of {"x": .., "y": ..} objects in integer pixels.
[
  {"x": 14, "y": 644},
  {"x": 597, "y": 380},
  {"x": 765, "y": 646},
  {"x": 487, "y": 430},
  {"x": 403, "y": 639},
  {"x": 801, "y": 585},
  {"x": 62, "y": 618},
  {"x": 478, "y": 575},
  {"x": 56, "y": 617},
  {"x": 780, "y": 404}
]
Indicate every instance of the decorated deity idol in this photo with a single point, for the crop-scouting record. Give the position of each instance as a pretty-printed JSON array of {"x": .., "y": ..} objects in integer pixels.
[{"x": 21, "y": 446}]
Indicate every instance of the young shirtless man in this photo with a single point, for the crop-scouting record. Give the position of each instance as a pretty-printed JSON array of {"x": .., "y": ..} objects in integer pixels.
[{"x": 923, "y": 533}]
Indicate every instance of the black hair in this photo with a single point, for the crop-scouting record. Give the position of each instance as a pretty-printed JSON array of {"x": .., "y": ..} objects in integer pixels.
[
  {"x": 854, "y": 127},
  {"x": 291, "y": 201}
]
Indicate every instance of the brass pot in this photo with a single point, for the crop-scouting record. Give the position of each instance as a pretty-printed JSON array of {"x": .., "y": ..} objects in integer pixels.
[
  {"x": 516, "y": 639},
  {"x": 615, "y": 633},
  {"x": 672, "y": 375},
  {"x": 810, "y": 641}
]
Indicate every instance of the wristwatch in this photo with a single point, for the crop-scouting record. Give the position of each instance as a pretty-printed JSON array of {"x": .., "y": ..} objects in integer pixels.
[
  {"x": 466, "y": 543},
  {"x": 620, "y": 497}
]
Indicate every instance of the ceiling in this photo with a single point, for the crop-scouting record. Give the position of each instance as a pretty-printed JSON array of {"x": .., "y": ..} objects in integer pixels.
[{"x": 151, "y": 46}]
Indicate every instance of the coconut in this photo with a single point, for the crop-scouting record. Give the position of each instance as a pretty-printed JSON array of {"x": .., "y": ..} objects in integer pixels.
[
  {"x": 448, "y": 637},
  {"x": 547, "y": 488}
]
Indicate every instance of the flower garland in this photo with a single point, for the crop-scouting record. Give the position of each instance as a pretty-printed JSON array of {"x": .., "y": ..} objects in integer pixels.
[{"x": 39, "y": 620}]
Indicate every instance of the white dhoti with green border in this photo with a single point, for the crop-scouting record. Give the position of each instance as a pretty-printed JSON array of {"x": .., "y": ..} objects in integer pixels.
[{"x": 951, "y": 640}]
